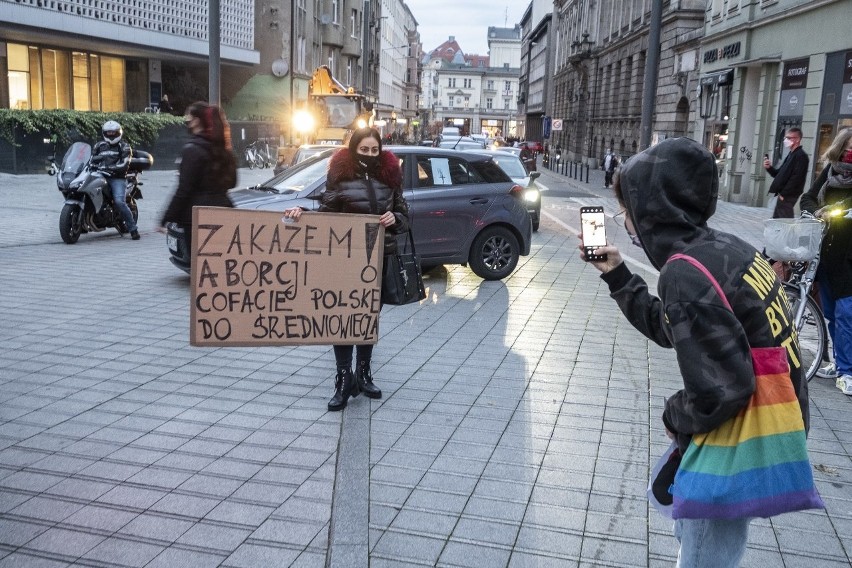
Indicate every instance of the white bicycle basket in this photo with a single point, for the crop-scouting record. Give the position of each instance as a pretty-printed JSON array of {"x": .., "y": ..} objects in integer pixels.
[{"x": 792, "y": 239}]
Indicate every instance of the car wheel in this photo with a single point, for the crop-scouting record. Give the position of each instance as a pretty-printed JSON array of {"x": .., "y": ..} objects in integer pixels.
[
  {"x": 535, "y": 221},
  {"x": 494, "y": 254}
]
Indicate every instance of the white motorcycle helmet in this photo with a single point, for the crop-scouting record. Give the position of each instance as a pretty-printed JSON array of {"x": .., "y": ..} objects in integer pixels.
[{"x": 112, "y": 132}]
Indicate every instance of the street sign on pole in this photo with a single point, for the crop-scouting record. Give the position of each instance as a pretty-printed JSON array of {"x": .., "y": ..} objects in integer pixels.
[{"x": 557, "y": 124}]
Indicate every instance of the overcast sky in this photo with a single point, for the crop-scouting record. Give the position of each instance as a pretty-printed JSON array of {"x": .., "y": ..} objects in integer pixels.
[{"x": 467, "y": 20}]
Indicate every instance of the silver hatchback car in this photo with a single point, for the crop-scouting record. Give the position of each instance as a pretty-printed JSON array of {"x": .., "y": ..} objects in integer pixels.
[{"x": 464, "y": 208}]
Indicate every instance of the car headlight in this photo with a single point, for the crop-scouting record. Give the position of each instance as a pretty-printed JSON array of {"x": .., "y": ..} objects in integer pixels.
[{"x": 532, "y": 195}]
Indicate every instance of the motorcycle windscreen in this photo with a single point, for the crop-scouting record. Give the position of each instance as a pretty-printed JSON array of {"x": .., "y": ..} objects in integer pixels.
[{"x": 76, "y": 158}]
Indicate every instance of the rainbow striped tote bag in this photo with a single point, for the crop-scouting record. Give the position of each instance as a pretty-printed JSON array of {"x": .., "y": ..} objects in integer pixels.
[{"x": 756, "y": 463}]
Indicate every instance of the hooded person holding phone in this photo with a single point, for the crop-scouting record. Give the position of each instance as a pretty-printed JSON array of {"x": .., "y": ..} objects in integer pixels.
[{"x": 668, "y": 192}]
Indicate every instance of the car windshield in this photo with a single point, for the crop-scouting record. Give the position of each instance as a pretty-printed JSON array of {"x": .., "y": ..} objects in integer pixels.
[
  {"x": 511, "y": 165},
  {"x": 299, "y": 177},
  {"x": 305, "y": 153}
]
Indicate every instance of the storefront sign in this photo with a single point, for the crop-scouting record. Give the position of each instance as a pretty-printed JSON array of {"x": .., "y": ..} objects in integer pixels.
[
  {"x": 794, "y": 82},
  {"x": 725, "y": 52},
  {"x": 795, "y": 74}
]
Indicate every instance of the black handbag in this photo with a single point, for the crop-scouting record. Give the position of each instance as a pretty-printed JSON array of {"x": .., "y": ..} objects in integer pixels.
[{"x": 402, "y": 279}]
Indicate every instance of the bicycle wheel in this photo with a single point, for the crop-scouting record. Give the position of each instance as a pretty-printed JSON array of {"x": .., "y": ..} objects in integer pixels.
[
  {"x": 258, "y": 160},
  {"x": 811, "y": 331}
]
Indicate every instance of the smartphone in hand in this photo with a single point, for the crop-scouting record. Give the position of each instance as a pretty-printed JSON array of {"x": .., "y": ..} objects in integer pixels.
[{"x": 593, "y": 229}]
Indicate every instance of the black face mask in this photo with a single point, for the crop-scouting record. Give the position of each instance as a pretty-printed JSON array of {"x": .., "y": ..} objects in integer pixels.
[{"x": 368, "y": 164}]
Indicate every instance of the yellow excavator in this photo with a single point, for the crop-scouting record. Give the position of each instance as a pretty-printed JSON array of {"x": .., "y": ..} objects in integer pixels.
[{"x": 332, "y": 111}]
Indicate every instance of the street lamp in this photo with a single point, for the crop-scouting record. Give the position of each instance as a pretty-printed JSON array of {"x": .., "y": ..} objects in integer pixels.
[{"x": 584, "y": 46}]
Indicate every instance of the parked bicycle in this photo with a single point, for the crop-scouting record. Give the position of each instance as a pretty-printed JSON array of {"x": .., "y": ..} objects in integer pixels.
[
  {"x": 256, "y": 157},
  {"x": 797, "y": 242}
]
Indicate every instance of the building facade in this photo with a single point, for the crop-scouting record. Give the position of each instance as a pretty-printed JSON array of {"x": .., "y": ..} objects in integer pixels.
[
  {"x": 758, "y": 80},
  {"x": 66, "y": 54},
  {"x": 600, "y": 52},
  {"x": 534, "y": 96},
  {"x": 397, "y": 105},
  {"x": 475, "y": 93}
]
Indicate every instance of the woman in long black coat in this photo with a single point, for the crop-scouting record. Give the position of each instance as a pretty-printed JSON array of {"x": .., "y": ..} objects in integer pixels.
[{"x": 208, "y": 168}]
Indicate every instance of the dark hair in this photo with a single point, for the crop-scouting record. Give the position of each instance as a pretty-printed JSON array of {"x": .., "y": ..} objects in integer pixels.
[
  {"x": 616, "y": 186},
  {"x": 216, "y": 129},
  {"x": 214, "y": 123},
  {"x": 362, "y": 133},
  {"x": 796, "y": 131}
]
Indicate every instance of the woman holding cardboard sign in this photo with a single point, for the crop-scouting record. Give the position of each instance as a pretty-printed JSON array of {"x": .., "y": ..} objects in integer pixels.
[{"x": 362, "y": 179}]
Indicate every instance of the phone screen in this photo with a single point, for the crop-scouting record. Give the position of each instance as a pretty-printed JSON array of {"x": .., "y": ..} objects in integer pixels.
[{"x": 594, "y": 229}]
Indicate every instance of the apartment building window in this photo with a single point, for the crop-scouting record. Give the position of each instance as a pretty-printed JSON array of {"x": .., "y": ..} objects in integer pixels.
[
  {"x": 355, "y": 23},
  {"x": 335, "y": 11},
  {"x": 451, "y": 82},
  {"x": 507, "y": 86},
  {"x": 489, "y": 103},
  {"x": 55, "y": 79},
  {"x": 300, "y": 53},
  {"x": 348, "y": 71},
  {"x": 506, "y": 103},
  {"x": 467, "y": 83},
  {"x": 466, "y": 102},
  {"x": 490, "y": 85}
]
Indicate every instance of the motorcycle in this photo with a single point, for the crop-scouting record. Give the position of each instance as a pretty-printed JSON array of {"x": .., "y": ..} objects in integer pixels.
[{"x": 89, "y": 205}]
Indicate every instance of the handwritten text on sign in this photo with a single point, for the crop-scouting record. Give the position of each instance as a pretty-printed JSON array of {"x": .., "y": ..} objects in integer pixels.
[{"x": 260, "y": 280}]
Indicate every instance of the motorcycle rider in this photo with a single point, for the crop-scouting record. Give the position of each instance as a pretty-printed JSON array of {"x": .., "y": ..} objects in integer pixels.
[{"x": 112, "y": 155}]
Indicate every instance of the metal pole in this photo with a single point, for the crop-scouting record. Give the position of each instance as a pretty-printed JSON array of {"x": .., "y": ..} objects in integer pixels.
[
  {"x": 213, "y": 17},
  {"x": 652, "y": 70},
  {"x": 292, "y": 139}
]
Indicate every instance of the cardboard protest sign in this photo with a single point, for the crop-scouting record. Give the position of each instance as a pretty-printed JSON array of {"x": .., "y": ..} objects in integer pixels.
[{"x": 258, "y": 279}]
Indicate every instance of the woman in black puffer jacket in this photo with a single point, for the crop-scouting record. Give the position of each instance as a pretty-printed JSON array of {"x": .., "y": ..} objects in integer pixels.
[
  {"x": 367, "y": 180},
  {"x": 208, "y": 168}
]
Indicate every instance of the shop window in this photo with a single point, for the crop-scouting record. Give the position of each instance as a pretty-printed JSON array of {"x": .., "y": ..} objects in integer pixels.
[
  {"x": 19, "y": 76},
  {"x": 56, "y": 67},
  {"x": 80, "y": 72},
  {"x": 54, "y": 79},
  {"x": 112, "y": 84},
  {"x": 715, "y": 101}
]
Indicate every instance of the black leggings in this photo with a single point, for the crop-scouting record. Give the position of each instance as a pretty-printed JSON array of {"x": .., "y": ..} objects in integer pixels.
[{"x": 343, "y": 354}]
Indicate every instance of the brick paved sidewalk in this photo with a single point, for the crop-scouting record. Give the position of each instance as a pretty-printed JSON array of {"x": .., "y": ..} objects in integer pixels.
[{"x": 517, "y": 427}]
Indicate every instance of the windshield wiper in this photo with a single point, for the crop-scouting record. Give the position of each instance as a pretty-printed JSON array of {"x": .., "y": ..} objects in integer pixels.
[{"x": 261, "y": 187}]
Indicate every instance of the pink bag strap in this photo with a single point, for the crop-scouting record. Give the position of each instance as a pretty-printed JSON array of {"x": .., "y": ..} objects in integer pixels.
[{"x": 694, "y": 262}]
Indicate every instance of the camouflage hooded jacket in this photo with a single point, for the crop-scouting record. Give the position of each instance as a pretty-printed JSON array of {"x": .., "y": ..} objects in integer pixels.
[{"x": 670, "y": 190}]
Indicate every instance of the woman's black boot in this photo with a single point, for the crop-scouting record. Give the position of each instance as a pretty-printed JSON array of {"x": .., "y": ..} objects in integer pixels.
[
  {"x": 344, "y": 385},
  {"x": 364, "y": 380}
]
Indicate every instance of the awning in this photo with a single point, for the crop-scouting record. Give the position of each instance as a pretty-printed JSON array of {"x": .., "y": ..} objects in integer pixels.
[
  {"x": 758, "y": 61},
  {"x": 724, "y": 77}
]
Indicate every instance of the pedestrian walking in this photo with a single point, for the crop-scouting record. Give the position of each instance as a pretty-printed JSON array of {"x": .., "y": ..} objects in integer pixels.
[
  {"x": 609, "y": 163},
  {"x": 165, "y": 105},
  {"x": 208, "y": 168},
  {"x": 833, "y": 190},
  {"x": 668, "y": 192},
  {"x": 789, "y": 180},
  {"x": 365, "y": 179}
]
